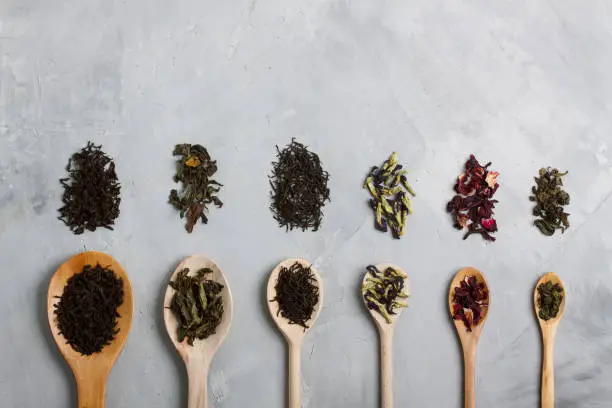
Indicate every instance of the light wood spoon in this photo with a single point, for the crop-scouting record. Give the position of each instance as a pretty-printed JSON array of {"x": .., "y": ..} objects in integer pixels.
[
  {"x": 385, "y": 331},
  {"x": 197, "y": 358},
  {"x": 294, "y": 334},
  {"x": 549, "y": 330},
  {"x": 469, "y": 340},
  {"x": 91, "y": 371}
]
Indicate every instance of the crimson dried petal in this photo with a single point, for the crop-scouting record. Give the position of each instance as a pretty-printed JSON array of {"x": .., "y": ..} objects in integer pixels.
[
  {"x": 470, "y": 301},
  {"x": 489, "y": 224}
]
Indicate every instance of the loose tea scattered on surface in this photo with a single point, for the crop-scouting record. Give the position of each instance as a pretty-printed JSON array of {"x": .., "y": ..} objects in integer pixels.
[
  {"x": 197, "y": 305},
  {"x": 297, "y": 294},
  {"x": 194, "y": 168},
  {"x": 550, "y": 198},
  {"x": 550, "y": 297},
  {"x": 470, "y": 302},
  {"x": 91, "y": 191},
  {"x": 383, "y": 291},
  {"x": 87, "y": 309},
  {"x": 299, "y": 188},
  {"x": 390, "y": 202},
  {"x": 472, "y": 207}
]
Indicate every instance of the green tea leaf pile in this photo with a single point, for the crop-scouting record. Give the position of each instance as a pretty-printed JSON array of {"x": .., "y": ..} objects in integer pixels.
[
  {"x": 91, "y": 191},
  {"x": 194, "y": 167},
  {"x": 550, "y": 297},
  {"x": 87, "y": 310},
  {"x": 197, "y": 305},
  {"x": 550, "y": 198}
]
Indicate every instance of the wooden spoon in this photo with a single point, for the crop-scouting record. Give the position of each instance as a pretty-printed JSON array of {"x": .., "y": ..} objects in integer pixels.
[
  {"x": 385, "y": 331},
  {"x": 469, "y": 340},
  {"x": 549, "y": 330},
  {"x": 91, "y": 371},
  {"x": 197, "y": 358},
  {"x": 294, "y": 334}
]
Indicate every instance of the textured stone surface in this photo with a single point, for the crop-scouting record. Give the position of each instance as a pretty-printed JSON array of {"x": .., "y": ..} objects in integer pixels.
[{"x": 520, "y": 83}]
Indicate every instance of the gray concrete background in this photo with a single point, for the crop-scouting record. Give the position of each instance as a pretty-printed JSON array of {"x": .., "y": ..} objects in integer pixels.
[{"x": 521, "y": 83}]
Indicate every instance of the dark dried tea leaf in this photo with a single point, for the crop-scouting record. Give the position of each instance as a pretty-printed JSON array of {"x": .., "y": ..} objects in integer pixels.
[
  {"x": 550, "y": 297},
  {"x": 384, "y": 291},
  {"x": 299, "y": 188},
  {"x": 470, "y": 302},
  {"x": 550, "y": 198},
  {"x": 91, "y": 191},
  {"x": 390, "y": 196},
  {"x": 194, "y": 167},
  {"x": 297, "y": 294},
  {"x": 197, "y": 305},
  {"x": 87, "y": 310},
  {"x": 472, "y": 206}
]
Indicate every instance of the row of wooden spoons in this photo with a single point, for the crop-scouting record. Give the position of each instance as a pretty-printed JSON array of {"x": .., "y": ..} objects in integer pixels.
[{"x": 92, "y": 371}]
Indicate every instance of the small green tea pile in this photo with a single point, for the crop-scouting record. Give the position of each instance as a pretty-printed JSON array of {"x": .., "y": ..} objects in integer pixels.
[
  {"x": 194, "y": 169},
  {"x": 91, "y": 191},
  {"x": 197, "y": 305},
  {"x": 388, "y": 187},
  {"x": 550, "y": 199},
  {"x": 550, "y": 297},
  {"x": 87, "y": 310},
  {"x": 382, "y": 291},
  {"x": 297, "y": 294}
]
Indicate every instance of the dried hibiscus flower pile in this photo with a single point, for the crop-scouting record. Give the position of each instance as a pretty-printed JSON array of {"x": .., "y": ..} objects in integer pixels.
[
  {"x": 470, "y": 302},
  {"x": 472, "y": 207}
]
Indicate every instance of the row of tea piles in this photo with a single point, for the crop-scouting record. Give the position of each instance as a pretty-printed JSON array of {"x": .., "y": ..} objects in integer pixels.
[
  {"x": 91, "y": 191},
  {"x": 389, "y": 191},
  {"x": 86, "y": 312}
]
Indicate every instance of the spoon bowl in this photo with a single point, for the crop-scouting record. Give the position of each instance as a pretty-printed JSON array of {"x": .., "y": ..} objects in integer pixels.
[
  {"x": 549, "y": 332},
  {"x": 197, "y": 358},
  {"x": 550, "y": 276},
  {"x": 469, "y": 339},
  {"x": 293, "y": 333},
  {"x": 91, "y": 371},
  {"x": 385, "y": 332}
]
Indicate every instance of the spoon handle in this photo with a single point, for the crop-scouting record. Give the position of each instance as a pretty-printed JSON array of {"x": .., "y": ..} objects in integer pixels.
[
  {"x": 386, "y": 367},
  {"x": 469, "y": 362},
  {"x": 198, "y": 378},
  {"x": 548, "y": 373},
  {"x": 92, "y": 391},
  {"x": 295, "y": 350}
]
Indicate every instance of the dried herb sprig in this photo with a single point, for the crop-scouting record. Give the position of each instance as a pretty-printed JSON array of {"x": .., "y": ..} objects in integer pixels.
[
  {"x": 299, "y": 188},
  {"x": 297, "y": 294},
  {"x": 91, "y": 191},
  {"x": 87, "y": 309},
  {"x": 194, "y": 167},
  {"x": 390, "y": 194},
  {"x": 382, "y": 291},
  {"x": 472, "y": 206},
  {"x": 550, "y": 297},
  {"x": 550, "y": 198},
  {"x": 470, "y": 302},
  {"x": 197, "y": 305}
]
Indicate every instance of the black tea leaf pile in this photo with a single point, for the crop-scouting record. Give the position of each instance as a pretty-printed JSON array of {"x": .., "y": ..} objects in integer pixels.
[
  {"x": 194, "y": 169},
  {"x": 91, "y": 191},
  {"x": 297, "y": 294},
  {"x": 299, "y": 188},
  {"x": 197, "y": 305},
  {"x": 87, "y": 310}
]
